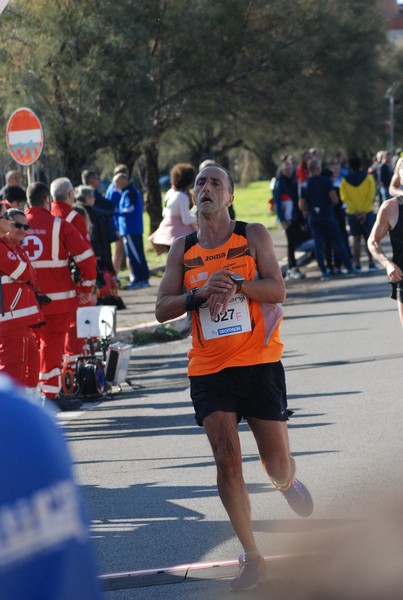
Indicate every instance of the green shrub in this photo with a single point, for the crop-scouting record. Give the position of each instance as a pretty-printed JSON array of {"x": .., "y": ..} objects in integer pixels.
[{"x": 162, "y": 333}]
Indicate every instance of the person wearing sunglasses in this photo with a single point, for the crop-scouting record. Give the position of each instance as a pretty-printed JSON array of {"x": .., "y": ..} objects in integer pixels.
[
  {"x": 19, "y": 307},
  {"x": 18, "y": 225}
]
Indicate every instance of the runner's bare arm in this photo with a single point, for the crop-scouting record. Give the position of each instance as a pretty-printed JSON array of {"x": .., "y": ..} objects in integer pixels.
[
  {"x": 385, "y": 220},
  {"x": 171, "y": 299},
  {"x": 394, "y": 187}
]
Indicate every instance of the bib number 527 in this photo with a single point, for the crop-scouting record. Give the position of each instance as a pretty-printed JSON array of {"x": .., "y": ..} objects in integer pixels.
[{"x": 227, "y": 315}]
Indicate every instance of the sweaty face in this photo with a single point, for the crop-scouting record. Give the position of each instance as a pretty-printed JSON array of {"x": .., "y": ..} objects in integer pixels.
[{"x": 212, "y": 189}]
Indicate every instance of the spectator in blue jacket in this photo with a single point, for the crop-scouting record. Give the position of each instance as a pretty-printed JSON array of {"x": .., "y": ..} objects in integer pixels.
[
  {"x": 130, "y": 224},
  {"x": 113, "y": 194}
]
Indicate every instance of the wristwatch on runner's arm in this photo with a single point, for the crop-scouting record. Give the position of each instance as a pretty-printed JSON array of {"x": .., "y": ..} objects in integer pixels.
[{"x": 238, "y": 279}]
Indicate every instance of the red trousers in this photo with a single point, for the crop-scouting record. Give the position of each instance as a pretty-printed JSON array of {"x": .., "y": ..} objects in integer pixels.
[
  {"x": 73, "y": 345},
  {"x": 52, "y": 336},
  {"x": 19, "y": 356}
]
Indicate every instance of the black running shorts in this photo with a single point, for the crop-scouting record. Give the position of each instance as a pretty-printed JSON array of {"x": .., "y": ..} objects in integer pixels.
[{"x": 253, "y": 391}]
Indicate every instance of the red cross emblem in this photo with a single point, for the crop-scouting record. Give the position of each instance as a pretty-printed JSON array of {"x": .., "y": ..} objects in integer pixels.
[{"x": 33, "y": 247}]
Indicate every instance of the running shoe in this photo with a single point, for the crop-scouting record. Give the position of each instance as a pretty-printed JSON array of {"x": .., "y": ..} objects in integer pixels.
[
  {"x": 251, "y": 571},
  {"x": 299, "y": 498},
  {"x": 295, "y": 273}
]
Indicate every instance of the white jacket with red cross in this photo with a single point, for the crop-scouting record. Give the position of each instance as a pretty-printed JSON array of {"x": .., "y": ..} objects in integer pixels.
[
  {"x": 18, "y": 304},
  {"x": 50, "y": 244}
]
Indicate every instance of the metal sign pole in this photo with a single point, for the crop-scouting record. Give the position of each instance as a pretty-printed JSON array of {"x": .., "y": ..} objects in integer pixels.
[{"x": 29, "y": 174}]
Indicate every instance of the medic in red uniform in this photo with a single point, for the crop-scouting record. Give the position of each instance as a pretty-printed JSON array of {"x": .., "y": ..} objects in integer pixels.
[
  {"x": 19, "y": 311},
  {"x": 49, "y": 244},
  {"x": 63, "y": 195}
]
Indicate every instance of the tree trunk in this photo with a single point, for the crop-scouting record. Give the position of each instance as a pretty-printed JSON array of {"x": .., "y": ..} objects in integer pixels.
[
  {"x": 153, "y": 204},
  {"x": 268, "y": 164},
  {"x": 72, "y": 166}
]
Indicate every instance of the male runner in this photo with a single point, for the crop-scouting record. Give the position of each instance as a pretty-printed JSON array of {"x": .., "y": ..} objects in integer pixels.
[{"x": 233, "y": 286}]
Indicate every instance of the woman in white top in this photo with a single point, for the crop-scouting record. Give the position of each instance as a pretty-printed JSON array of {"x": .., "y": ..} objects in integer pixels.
[{"x": 177, "y": 217}]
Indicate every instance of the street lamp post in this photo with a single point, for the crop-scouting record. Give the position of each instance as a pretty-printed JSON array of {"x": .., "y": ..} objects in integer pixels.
[{"x": 390, "y": 95}]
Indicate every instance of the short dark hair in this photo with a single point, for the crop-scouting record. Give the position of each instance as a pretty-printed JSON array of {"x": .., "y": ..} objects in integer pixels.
[
  {"x": 37, "y": 192},
  {"x": 121, "y": 168},
  {"x": 14, "y": 193},
  {"x": 87, "y": 175},
  {"x": 355, "y": 163},
  {"x": 183, "y": 175}
]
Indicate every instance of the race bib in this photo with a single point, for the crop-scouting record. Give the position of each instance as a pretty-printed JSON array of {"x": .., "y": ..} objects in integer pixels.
[{"x": 236, "y": 319}]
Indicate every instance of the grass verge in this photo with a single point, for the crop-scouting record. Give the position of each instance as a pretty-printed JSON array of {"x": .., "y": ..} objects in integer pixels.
[{"x": 162, "y": 333}]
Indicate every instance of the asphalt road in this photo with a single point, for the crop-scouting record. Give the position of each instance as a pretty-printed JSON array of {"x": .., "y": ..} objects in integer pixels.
[{"x": 147, "y": 470}]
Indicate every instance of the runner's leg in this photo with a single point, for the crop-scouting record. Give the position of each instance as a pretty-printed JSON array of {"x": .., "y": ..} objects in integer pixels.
[{"x": 222, "y": 432}]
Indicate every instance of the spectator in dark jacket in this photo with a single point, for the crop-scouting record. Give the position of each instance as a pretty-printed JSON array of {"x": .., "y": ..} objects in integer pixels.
[
  {"x": 317, "y": 199},
  {"x": 285, "y": 196},
  {"x": 102, "y": 205},
  {"x": 85, "y": 196}
]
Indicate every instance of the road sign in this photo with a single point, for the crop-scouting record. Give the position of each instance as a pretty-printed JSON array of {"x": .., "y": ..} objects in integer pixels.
[{"x": 24, "y": 136}]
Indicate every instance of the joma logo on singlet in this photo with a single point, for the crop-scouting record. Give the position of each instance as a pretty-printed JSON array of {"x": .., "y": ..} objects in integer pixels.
[{"x": 221, "y": 255}]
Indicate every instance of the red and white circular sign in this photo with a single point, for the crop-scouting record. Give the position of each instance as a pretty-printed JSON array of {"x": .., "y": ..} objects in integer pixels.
[{"x": 24, "y": 136}]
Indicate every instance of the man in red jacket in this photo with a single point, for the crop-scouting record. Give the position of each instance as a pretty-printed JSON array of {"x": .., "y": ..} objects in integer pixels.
[
  {"x": 50, "y": 243},
  {"x": 63, "y": 195}
]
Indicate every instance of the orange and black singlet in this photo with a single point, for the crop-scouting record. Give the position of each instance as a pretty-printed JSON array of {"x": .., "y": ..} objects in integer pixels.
[{"x": 248, "y": 332}]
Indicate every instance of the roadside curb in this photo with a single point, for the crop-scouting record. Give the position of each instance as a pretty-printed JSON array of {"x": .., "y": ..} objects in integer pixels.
[{"x": 125, "y": 334}]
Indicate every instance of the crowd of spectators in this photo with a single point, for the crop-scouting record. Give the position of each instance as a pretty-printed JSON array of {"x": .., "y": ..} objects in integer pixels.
[{"x": 334, "y": 204}]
